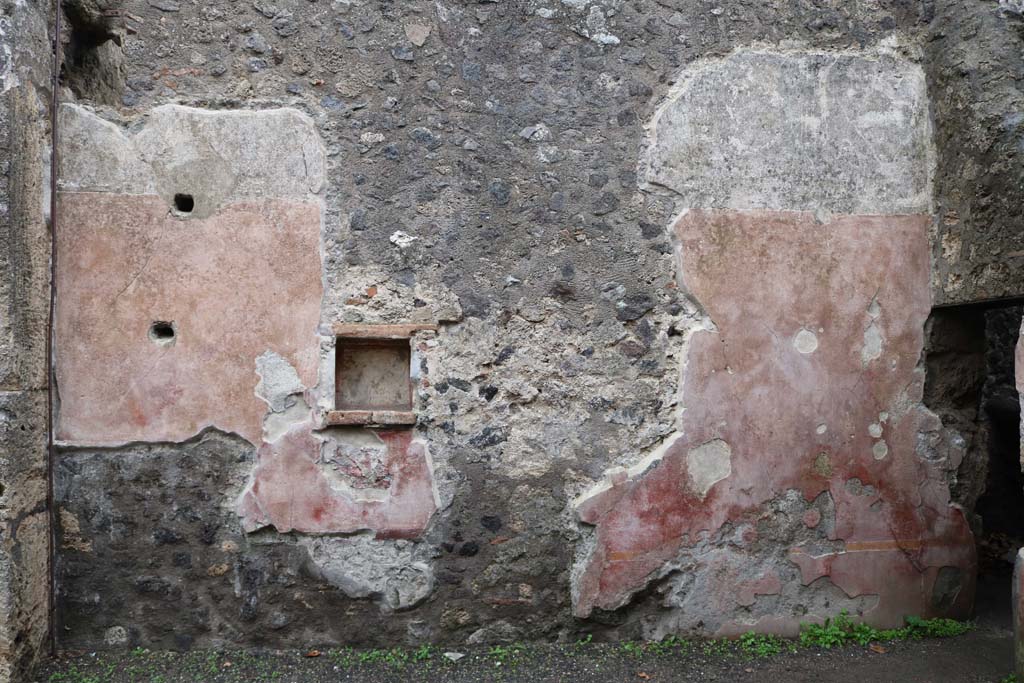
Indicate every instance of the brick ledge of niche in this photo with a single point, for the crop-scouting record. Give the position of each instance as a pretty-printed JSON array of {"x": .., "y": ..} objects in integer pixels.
[
  {"x": 383, "y": 418},
  {"x": 364, "y": 331}
]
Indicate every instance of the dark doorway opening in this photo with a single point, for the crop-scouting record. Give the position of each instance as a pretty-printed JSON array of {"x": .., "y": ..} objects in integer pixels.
[{"x": 970, "y": 385}]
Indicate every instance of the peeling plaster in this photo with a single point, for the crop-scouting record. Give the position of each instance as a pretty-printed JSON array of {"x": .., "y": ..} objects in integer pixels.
[
  {"x": 292, "y": 490},
  {"x": 873, "y": 340},
  {"x": 643, "y": 518},
  {"x": 238, "y": 282},
  {"x": 797, "y": 415}
]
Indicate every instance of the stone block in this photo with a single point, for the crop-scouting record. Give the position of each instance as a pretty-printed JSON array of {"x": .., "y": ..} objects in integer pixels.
[{"x": 24, "y": 532}]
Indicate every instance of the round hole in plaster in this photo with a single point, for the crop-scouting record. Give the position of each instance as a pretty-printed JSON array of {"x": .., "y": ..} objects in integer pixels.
[
  {"x": 162, "y": 332},
  {"x": 184, "y": 203}
]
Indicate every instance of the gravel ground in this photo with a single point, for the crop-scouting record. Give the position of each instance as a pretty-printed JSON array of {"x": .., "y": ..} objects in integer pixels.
[{"x": 983, "y": 655}]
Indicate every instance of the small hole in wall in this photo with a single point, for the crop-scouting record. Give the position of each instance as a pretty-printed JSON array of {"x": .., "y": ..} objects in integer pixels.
[
  {"x": 162, "y": 332},
  {"x": 184, "y": 203}
]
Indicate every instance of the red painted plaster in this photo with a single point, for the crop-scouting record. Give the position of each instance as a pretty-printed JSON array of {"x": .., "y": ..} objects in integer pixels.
[
  {"x": 762, "y": 277},
  {"x": 292, "y": 491},
  {"x": 237, "y": 284}
]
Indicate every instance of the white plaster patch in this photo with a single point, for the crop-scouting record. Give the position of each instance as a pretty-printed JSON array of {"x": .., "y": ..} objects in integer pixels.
[
  {"x": 880, "y": 450},
  {"x": 217, "y": 156},
  {"x": 402, "y": 239},
  {"x": 283, "y": 392},
  {"x": 708, "y": 464},
  {"x": 605, "y": 39},
  {"x": 872, "y": 347},
  {"x": 115, "y": 636},
  {"x": 278, "y": 381},
  {"x": 802, "y": 131},
  {"x": 805, "y": 341},
  {"x": 275, "y": 424},
  {"x": 8, "y": 78},
  {"x": 364, "y": 567}
]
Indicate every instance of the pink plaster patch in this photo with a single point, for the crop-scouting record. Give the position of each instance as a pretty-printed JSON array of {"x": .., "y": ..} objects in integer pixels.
[
  {"x": 816, "y": 324},
  {"x": 237, "y": 284},
  {"x": 292, "y": 491}
]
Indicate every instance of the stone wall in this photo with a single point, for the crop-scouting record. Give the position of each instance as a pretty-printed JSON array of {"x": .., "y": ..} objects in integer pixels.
[
  {"x": 975, "y": 56},
  {"x": 25, "y": 70},
  {"x": 663, "y": 270}
]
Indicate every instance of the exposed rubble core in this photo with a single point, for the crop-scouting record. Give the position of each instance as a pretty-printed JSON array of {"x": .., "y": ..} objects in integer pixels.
[
  {"x": 654, "y": 279},
  {"x": 975, "y": 54},
  {"x": 93, "y": 55}
]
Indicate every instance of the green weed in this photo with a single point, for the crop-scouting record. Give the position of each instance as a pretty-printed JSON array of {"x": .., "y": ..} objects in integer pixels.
[
  {"x": 841, "y": 630},
  {"x": 505, "y": 655},
  {"x": 343, "y": 658},
  {"x": 760, "y": 645},
  {"x": 667, "y": 645},
  {"x": 937, "y": 628},
  {"x": 717, "y": 648},
  {"x": 585, "y": 640},
  {"x": 73, "y": 675}
]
